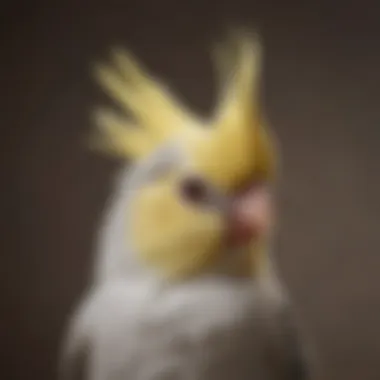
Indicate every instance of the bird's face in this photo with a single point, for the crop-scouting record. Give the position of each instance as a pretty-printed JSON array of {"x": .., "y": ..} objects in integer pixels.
[{"x": 182, "y": 223}]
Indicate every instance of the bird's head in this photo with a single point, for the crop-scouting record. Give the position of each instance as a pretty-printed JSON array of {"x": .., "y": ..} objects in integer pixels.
[{"x": 200, "y": 196}]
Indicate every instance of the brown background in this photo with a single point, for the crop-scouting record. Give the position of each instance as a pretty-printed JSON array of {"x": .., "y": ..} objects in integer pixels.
[{"x": 322, "y": 95}]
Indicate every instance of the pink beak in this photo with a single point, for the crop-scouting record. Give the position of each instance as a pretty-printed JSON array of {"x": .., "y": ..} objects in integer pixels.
[{"x": 250, "y": 216}]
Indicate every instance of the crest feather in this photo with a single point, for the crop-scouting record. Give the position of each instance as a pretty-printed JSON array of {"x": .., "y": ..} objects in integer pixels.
[
  {"x": 238, "y": 62},
  {"x": 237, "y": 142},
  {"x": 157, "y": 112},
  {"x": 240, "y": 145},
  {"x": 119, "y": 135}
]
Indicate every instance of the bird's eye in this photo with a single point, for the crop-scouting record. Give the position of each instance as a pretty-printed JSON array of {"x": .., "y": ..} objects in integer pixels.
[{"x": 194, "y": 190}]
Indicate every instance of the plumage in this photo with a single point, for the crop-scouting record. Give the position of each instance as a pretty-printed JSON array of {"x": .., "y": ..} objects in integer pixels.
[
  {"x": 233, "y": 145},
  {"x": 177, "y": 291}
]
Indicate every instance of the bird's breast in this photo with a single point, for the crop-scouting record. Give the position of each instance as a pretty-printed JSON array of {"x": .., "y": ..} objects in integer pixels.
[{"x": 206, "y": 330}]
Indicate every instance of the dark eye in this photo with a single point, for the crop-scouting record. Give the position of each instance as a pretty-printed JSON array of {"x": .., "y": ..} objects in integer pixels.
[{"x": 194, "y": 190}]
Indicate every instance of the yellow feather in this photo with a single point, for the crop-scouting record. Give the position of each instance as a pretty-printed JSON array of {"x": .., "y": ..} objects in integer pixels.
[
  {"x": 163, "y": 113},
  {"x": 118, "y": 135},
  {"x": 236, "y": 145},
  {"x": 151, "y": 104},
  {"x": 239, "y": 64},
  {"x": 240, "y": 146}
]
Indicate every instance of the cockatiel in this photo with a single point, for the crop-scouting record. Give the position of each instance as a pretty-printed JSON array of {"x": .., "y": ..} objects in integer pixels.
[{"x": 184, "y": 287}]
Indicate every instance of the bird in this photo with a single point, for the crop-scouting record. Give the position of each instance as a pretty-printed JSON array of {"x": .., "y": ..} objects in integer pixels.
[{"x": 185, "y": 285}]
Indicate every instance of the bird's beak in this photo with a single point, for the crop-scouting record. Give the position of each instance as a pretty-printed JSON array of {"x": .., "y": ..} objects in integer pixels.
[{"x": 250, "y": 216}]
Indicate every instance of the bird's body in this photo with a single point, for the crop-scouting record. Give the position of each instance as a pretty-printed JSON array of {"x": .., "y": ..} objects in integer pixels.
[
  {"x": 133, "y": 325},
  {"x": 203, "y": 330},
  {"x": 207, "y": 328}
]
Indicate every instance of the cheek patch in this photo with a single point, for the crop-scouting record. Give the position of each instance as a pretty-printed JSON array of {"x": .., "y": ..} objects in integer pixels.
[{"x": 173, "y": 237}]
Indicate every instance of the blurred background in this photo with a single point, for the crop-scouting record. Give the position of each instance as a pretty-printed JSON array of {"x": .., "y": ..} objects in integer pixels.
[{"x": 322, "y": 96}]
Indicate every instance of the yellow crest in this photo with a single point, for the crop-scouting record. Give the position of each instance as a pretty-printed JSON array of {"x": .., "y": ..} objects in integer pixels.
[{"x": 229, "y": 149}]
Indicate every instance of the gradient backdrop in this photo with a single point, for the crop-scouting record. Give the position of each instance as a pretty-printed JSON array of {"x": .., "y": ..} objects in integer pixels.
[{"x": 322, "y": 96}]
